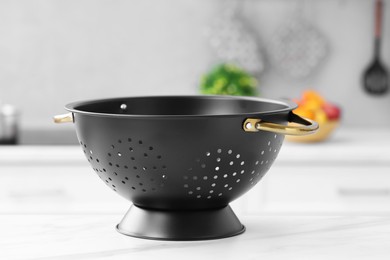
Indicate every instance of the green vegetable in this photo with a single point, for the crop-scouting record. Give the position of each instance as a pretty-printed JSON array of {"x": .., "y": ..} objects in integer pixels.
[{"x": 228, "y": 79}]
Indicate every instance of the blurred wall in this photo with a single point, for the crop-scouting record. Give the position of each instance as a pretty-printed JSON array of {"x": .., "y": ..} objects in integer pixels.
[{"x": 53, "y": 52}]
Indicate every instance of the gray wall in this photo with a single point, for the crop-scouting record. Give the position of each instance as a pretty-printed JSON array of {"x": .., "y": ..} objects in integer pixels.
[{"x": 53, "y": 52}]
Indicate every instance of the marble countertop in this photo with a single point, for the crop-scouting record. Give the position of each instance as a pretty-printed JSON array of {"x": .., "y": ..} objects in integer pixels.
[
  {"x": 43, "y": 223},
  {"x": 83, "y": 236}
]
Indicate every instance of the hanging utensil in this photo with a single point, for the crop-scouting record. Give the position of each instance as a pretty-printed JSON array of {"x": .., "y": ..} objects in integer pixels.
[
  {"x": 232, "y": 39},
  {"x": 298, "y": 48},
  {"x": 376, "y": 79}
]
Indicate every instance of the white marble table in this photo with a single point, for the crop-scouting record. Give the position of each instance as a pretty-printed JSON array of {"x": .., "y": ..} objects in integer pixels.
[
  {"x": 46, "y": 212},
  {"x": 90, "y": 236}
]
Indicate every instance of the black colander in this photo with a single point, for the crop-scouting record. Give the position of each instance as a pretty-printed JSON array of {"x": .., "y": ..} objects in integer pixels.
[{"x": 182, "y": 159}]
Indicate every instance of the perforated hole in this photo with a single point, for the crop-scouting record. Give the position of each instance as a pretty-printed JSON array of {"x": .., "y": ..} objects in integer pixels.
[
  {"x": 225, "y": 169},
  {"x": 141, "y": 164},
  {"x": 143, "y": 154}
]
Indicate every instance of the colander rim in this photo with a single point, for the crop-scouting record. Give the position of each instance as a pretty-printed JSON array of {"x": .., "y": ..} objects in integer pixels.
[{"x": 288, "y": 106}]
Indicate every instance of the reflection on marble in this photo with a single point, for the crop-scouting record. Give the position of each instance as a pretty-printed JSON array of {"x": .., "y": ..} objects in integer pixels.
[{"x": 89, "y": 236}]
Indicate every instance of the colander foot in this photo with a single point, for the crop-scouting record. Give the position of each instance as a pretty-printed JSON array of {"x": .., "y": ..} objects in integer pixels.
[{"x": 180, "y": 225}]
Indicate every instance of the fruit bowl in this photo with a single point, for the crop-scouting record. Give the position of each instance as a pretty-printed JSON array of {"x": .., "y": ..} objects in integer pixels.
[{"x": 313, "y": 106}]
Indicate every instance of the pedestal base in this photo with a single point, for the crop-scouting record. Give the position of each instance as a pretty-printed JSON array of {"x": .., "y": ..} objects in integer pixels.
[{"x": 180, "y": 225}]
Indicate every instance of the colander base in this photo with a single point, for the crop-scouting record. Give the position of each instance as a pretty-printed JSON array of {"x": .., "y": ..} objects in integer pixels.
[{"x": 180, "y": 225}]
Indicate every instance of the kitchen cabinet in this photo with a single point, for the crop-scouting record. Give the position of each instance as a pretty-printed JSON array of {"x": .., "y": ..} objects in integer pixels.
[
  {"x": 329, "y": 189},
  {"x": 52, "y": 179},
  {"x": 350, "y": 174}
]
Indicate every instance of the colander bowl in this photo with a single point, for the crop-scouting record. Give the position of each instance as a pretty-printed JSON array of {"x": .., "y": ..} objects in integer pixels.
[{"x": 181, "y": 159}]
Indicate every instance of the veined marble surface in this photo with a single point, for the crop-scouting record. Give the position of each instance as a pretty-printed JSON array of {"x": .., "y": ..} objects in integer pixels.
[{"x": 91, "y": 236}]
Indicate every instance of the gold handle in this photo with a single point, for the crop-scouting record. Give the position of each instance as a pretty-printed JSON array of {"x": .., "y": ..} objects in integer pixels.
[
  {"x": 65, "y": 118},
  {"x": 255, "y": 125}
]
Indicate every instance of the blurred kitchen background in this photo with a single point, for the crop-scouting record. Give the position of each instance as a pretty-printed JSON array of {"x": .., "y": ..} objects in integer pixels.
[{"x": 54, "y": 52}]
